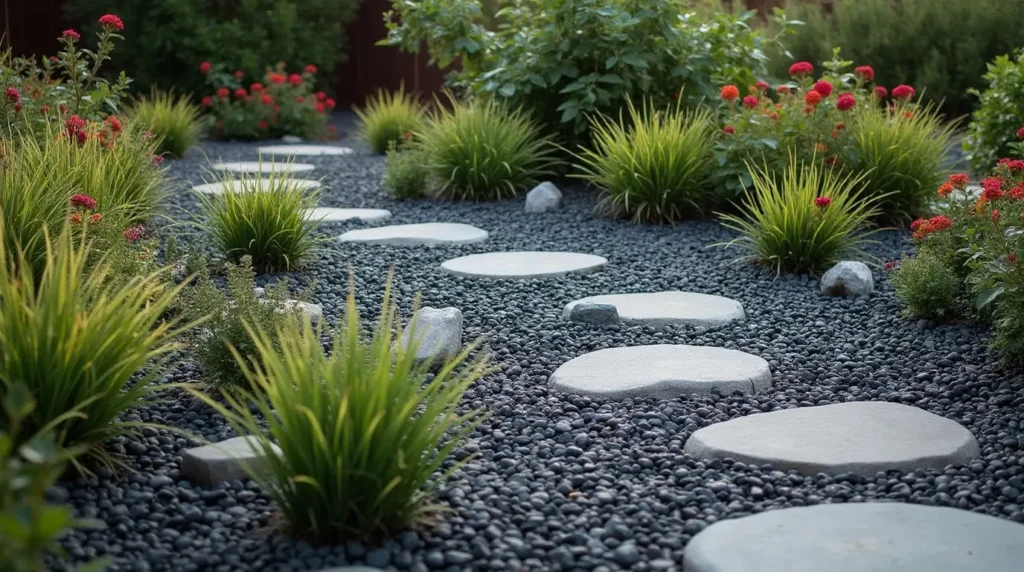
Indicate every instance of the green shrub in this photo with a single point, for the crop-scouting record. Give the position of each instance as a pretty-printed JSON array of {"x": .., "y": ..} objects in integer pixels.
[
  {"x": 389, "y": 119},
  {"x": 483, "y": 151},
  {"x": 76, "y": 343},
  {"x": 364, "y": 432},
  {"x": 653, "y": 165},
  {"x": 1000, "y": 113},
  {"x": 174, "y": 121},
  {"x": 406, "y": 174},
  {"x": 169, "y": 38},
  {"x": 266, "y": 219},
  {"x": 928, "y": 286},
  {"x": 801, "y": 220}
]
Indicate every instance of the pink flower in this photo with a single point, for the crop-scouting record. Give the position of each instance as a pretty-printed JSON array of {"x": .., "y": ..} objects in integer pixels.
[
  {"x": 83, "y": 202},
  {"x": 801, "y": 69},
  {"x": 158, "y": 159},
  {"x": 824, "y": 88},
  {"x": 204, "y": 68},
  {"x": 993, "y": 188},
  {"x": 783, "y": 89},
  {"x": 295, "y": 79},
  {"x": 729, "y": 129},
  {"x": 70, "y": 34},
  {"x": 903, "y": 92},
  {"x": 239, "y": 74},
  {"x": 111, "y": 22},
  {"x": 750, "y": 101},
  {"x": 762, "y": 86},
  {"x": 320, "y": 108},
  {"x": 267, "y": 99},
  {"x": 207, "y": 101},
  {"x": 13, "y": 94},
  {"x": 240, "y": 93},
  {"x": 134, "y": 233},
  {"x": 845, "y": 102},
  {"x": 74, "y": 124},
  {"x": 310, "y": 69},
  {"x": 866, "y": 73},
  {"x": 822, "y": 202},
  {"x": 321, "y": 96},
  {"x": 329, "y": 103},
  {"x": 881, "y": 92}
]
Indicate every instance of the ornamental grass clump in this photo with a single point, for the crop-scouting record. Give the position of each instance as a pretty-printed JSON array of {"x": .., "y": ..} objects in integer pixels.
[
  {"x": 365, "y": 433},
  {"x": 406, "y": 174},
  {"x": 480, "y": 150},
  {"x": 173, "y": 120},
  {"x": 803, "y": 219},
  {"x": 652, "y": 166},
  {"x": 390, "y": 118}
]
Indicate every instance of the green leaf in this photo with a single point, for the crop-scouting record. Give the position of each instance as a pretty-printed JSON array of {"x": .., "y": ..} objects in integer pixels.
[
  {"x": 986, "y": 297},
  {"x": 570, "y": 113},
  {"x": 611, "y": 78},
  {"x": 508, "y": 90},
  {"x": 610, "y": 62}
]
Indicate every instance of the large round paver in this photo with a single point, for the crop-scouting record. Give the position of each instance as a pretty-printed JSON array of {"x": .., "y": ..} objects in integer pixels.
[
  {"x": 331, "y": 214},
  {"x": 296, "y": 150},
  {"x": 859, "y": 537},
  {"x": 862, "y": 437},
  {"x": 263, "y": 167},
  {"x": 252, "y": 184},
  {"x": 522, "y": 265},
  {"x": 417, "y": 234},
  {"x": 660, "y": 309},
  {"x": 664, "y": 372}
]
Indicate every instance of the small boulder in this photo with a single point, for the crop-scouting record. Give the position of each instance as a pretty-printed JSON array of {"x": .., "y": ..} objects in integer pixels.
[
  {"x": 848, "y": 278},
  {"x": 223, "y": 461},
  {"x": 259, "y": 292},
  {"x": 594, "y": 314},
  {"x": 314, "y": 311},
  {"x": 439, "y": 332},
  {"x": 543, "y": 198},
  {"x": 291, "y": 139}
]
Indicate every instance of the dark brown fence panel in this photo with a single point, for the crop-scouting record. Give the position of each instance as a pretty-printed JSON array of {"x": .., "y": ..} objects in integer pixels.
[{"x": 31, "y": 27}]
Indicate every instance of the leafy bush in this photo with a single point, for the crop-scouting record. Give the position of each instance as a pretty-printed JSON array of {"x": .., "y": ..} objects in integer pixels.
[
  {"x": 170, "y": 36},
  {"x": 928, "y": 285},
  {"x": 265, "y": 219},
  {"x": 563, "y": 60},
  {"x": 653, "y": 165},
  {"x": 364, "y": 432},
  {"x": 284, "y": 104},
  {"x": 483, "y": 151},
  {"x": 803, "y": 219},
  {"x": 406, "y": 173},
  {"x": 389, "y": 119},
  {"x": 174, "y": 121},
  {"x": 76, "y": 342},
  {"x": 1000, "y": 113}
]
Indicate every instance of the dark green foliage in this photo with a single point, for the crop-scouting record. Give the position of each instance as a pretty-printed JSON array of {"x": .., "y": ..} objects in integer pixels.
[
  {"x": 406, "y": 174},
  {"x": 1001, "y": 113},
  {"x": 928, "y": 285}
]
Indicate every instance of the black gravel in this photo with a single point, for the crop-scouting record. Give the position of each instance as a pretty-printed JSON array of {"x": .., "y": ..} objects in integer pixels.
[{"x": 563, "y": 482}]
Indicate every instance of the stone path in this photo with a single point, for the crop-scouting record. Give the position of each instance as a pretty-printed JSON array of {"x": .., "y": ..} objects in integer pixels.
[
  {"x": 659, "y": 309},
  {"x": 332, "y": 214},
  {"x": 417, "y": 234},
  {"x": 523, "y": 265},
  {"x": 663, "y": 372},
  {"x": 859, "y": 537},
  {"x": 241, "y": 185},
  {"x": 862, "y": 437},
  {"x": 263, "y": 167},
  {"x": 304, "y": 150}
]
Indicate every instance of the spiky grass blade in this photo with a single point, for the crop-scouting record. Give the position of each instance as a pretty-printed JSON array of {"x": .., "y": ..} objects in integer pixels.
[
  {"x": 173, "y": 120},
  {"x": 388, "y": 116}
]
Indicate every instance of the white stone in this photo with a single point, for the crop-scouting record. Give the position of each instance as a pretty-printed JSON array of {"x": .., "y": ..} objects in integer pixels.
[
  {"x": 314, "y": 311},
  {"x": 662, "y": 371},
  {"x": 543, "y": 198},
  {"x": 251, "y": 184},
  {"x": 438, "y": 331},
  {"x": 302, "y": 150},
  {"x": 659, "y": 309},
  {"x": 263, "y": 167},
  {"x": 859, "y": 537},
  {"x": 332, "y": 214},
  {"x": 417, "y": 234},
  {"x": 862, "y": 437},
  {"x": 223, "y": 461},
  {"x": 848, "y": 278},
  {"x": 291, "y": 139},
  {"x": 523, "y": 265}
]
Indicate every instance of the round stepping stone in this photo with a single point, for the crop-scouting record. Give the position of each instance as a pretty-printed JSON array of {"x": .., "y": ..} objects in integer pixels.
[
  {"x": 862, "y": 437},
  {"x": 249, "y": 184},
  {"x": 660, "y": 309},
  {"x": 331, "y": 214},
  {"x": 417, "y": 234},
  {"x": 297, "y": 150},
  {"x": 264, "y": 167},
  {"x": 857, "y": 537},
  {"x": 522, "y": 265},
  {"x": 663, "y": 371}
]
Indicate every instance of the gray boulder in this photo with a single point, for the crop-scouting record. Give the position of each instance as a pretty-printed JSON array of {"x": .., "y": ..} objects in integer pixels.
[
  {"x": 594, "y": 314},
  {"x": 543, "y": 198},
  {"x": 291, "y": 139},
  {"x": 223, "y": 461},
  {"x": 438, "y": 331},
  {"x": 848, "y": 278}
]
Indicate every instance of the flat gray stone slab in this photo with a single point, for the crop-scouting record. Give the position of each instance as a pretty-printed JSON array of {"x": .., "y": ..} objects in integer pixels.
[
  {"x": 417, "y": 234},
  {"x": 222, "y": 461},
  {"x": 263, "y": 167},
  {"x": 659, "y": 309},
  {"x": 252, "y": 184},
  {"x": 859, "y": 537},
  {"x": 862, "y": 437},
  {"x": 304, "y": 150},
  {"x": 663, "y": 371},
  {"x": 332, "y": 214},
  {"x": 523, "y": 265}
]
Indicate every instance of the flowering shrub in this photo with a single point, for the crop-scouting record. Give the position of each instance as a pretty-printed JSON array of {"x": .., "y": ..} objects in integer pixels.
[
  {"x": 279, "y": 103},
  {"x": 1001, "y": 110}
]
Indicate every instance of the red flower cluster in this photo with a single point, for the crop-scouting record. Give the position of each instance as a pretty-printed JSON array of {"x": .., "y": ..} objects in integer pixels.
[
  {"x": 13, "y": 94},
  {"x": 310, "y": 69},
  {"x": 730, "y": 92},
  {"x": 924, "y": 227},
  {"x": 1017, "y": 192},
  {"x": 845, "y": 102},
  {"x": 83, "y": 202},
  {"x": 75, "y": 128},
  {"x": 866, "y": 73},
  {"x": 945, "y": 189},
  {"x": 295, "y": 79},
  {"x": 812, "y": 98},
  {"x": 70, "y": 34},
  {"x": 223, "y": 92},
  {"x": 239, "y": 75},
  {"x": 729, "y": 129},
  {"x": 207, "y": 101},
  {"x": 822, "y": 202},
  {"x": 959, "y": 180},
  {"x": 761, "y": 86},
  {"x": 881, "y": 92},
  {"x": 993, "y": 188},
  {"x": 801, "y": 69},
  {"x": 823, "y": 87},
  {"x": 240, "y": 93},
  {"x": 204, "y": 68},
  {"x": 276, "y": 78},
  {"x": 134, "y": 233},
  {"x": 1012, "y": 164},
  {"x": 111, "y": 22},
  {"x": 1020, "y": 133},
  {"x": 903, "y": 92},
  {"x": 750, "y": 101}
]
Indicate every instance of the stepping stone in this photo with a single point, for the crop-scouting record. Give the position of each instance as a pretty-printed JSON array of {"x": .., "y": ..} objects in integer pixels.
[
  {"x": 659, "y": 309},
  {"x": 417, "y": 234},
  {"x": 859, "y": 537},
  {"x": 264, "y": 167},
  {"x": 331, "y": 214},
  {"x": 223, "y": 461},
  {"x": 662, "y": 371},
  {"x": 252, "y": 184},
  {"x": 863, "y": 437},
  {"x": 523, "y": 265},
  {"x": 297, "y": 150}
]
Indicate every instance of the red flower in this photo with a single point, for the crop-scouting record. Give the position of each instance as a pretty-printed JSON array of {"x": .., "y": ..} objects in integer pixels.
[
  {"x": 83, "y": 202},
  {"x": 329, "y": 103},
  {"x": 839, "y": 126},
  {"x": 918, "y": 224},
  {"x": 300, "y": 98},
  {"x": 941, "y": 222},
  {"x": 1011, "y": 164},
  {"x": 993, "y": 188},
  {"x": 729, "y": 129},
  {"x": 70, "y": 34},
  {"x": 824, "y": 88},
  {"x": 310, "y": 69},
  {"x": 1020, "y": 133},
  {"x": 82, "y": 137},
  {"x": 256, "y": 87},
  {"x": 891, "y": 265},
  {"x": 945, "y": 189},
  {"x": 204, "y": 68},
  {"x": 111, "y": 22},
  {"x": 822, "y": 202},
  {"x": 158, "y": 159},
  {"x": 223, "y": 92},
  {"x": 207, "y": 101},
  {"x": 74, "y": 124},
  {"x": 867, "y": 73},
  {"x": 761, "y": 86},
  {"x": 845, "y": 102},
  {"x": 995, "y": 216},
  {"x": 784, "y": 89},
  {"x": 321, "y": 96},
  {"x": 295, "y": 79},
  {"x": 320, "y": 108},
  {"x": 263, "y": 125},
  {"x": 801, "y": 68},
  {"x": 881, "y": 92},
  {"x": 13, "y": 94},
  {"x": 114, "y": 124},
  {"x": 730, "y": 92},
  {"x": 903, "y": 92},
  {"x": 1017, "y": 192},
  {"x": 276, "y": 78},
  {"x": 44, "y": 109},
  {"x": 240, "y": 93},
  {"x": 267, "y": 99},
  {"x": 134, "y": 233},
  {"x": 812, "y": 98},
  {"x": 959, "y": 180},
  {"x": 76, "y": 218},
  {"x": 239, "y": 74},
  {"x": 750, "y": 101},
  {"x": 96, "y": 217},
  {"x": 1012, "y": 258}
]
